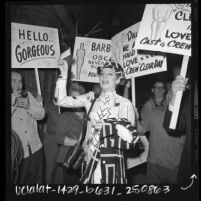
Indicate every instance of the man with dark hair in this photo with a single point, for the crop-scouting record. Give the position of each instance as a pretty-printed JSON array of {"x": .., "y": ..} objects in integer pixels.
[
  {"x": 26, "y": 110},
  {"x": 158, "y": 98},
  {"x": 164, "y": 149}
]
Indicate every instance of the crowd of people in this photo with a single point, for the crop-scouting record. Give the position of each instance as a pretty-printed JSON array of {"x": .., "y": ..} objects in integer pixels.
[{"x": 113, "y": 126}]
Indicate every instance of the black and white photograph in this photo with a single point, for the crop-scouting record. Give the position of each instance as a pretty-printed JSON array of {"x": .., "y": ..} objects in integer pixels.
[{"x": 104, "y": 100}]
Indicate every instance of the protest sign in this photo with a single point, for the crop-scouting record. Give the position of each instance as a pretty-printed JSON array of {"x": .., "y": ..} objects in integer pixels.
[
  {"x": 88, "y": 54},
  {"x": 166, "y": 28},
  {"x": 133, "y": 63},
  {"x": 34, "y": 46}
]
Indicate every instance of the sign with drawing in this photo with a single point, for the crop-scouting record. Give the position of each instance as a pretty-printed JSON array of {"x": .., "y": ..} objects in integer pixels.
[
  {"x": 166, "y": 28},
  {"x": 89, "y": 53},
  {"x": 34, "y": 46},
  {"x": 133, "y": 63}
]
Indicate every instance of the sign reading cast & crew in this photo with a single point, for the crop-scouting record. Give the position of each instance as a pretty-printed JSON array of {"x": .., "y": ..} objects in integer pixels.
[{"x": 166, "y": 28}]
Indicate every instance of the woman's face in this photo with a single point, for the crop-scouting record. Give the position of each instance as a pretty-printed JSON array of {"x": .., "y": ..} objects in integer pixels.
[
  {"x": 16, "y": 81},
  {"x": 108, "y": 79}
]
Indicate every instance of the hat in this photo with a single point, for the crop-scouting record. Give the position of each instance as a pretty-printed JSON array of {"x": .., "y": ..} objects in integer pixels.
[{"x": 113, "y": 65}]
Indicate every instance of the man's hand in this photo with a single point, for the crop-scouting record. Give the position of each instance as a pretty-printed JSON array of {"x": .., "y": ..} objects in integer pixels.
[
  {"x": 23, "y": 102},
  {"x": 63, "y": 67},
  {"x": 128, "y": 84},
  {"x": 39, "y": 98},
  {"x": 124, "y": 133},
  {"x": 179, "y": 84},
  {"x": 14, "y": 97}
]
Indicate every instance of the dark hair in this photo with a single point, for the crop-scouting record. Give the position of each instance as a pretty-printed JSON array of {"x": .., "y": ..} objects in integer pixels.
[{"x": 158, "y": 80}]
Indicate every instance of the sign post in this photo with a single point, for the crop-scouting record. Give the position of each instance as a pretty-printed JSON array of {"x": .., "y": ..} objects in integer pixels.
[
  {"x": 178, "y": 98},
  {"x": 133, "y": 92}
]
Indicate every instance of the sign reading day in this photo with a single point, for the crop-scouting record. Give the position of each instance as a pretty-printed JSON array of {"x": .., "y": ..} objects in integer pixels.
[
  {"x": 166, "y": 28},
  {"x": 135, "y": 64},
  {"x": 34, "y": 46},
  {"x": 89, "y": 53}
]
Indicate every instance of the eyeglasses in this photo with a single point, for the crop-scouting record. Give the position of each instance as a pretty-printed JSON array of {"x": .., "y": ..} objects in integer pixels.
[{"x": 159, "y": 88}]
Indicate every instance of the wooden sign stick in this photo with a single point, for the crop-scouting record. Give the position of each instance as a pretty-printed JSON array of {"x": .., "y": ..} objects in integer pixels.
[
  {"x": 38, "y": 82},
  {"x": 177, "y": 103},
  {"x": 133, "y": 91}
]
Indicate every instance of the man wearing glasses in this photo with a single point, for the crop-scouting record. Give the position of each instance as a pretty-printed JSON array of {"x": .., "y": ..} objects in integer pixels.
[{"x": 157, "y": 99}]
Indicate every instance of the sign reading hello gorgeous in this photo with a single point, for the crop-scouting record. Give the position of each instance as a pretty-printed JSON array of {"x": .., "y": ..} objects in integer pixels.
[{"x": 34, "y": 46}]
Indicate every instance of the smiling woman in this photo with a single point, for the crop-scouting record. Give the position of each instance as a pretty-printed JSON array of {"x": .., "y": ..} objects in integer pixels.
[{"x": 110, "y": 128}]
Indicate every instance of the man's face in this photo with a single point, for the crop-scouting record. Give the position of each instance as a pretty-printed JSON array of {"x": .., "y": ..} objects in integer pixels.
[
  {"x": 158, "y": 90},
  {"x": 108, "y": 79},
  {"x": 16, "y": 81}
]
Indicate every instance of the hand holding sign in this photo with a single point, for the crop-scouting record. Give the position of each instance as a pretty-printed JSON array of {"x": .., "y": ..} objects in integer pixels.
[
  {"x": 179, "y": 84},
  {"x": 63, "y": 67},
  {"x": 14, "y": 97},
  {"x": 23, "y": 102},
  {"x": 39, "y": 98},
  {"x": 124, "y": 133}
]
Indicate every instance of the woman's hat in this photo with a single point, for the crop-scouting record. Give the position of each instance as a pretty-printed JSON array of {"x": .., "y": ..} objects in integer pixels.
[{"x": 113, "y": 65}]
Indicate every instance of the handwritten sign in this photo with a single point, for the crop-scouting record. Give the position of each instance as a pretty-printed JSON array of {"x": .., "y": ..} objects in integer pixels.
[
  {"x": 166, "y": 28},
  {"x": 135, "y": 64},
  {"x": 89, "y": 53},
  {"x": 34, "y": 46}
]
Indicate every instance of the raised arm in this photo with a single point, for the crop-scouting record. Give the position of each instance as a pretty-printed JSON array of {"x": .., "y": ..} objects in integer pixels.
[{"x": 60, "y": 91}]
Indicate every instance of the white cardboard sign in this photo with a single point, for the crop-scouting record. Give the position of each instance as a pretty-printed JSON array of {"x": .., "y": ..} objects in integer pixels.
[
  {"x": 88, "y": 54},
  {"x": 166, "y": 28},
  {"x": 34, "y": 46},
  {"x": 133, "y": 63}
]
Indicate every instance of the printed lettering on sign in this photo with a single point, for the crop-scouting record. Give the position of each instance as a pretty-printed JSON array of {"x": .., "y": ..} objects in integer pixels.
[
  {"x": 89, "y": 53},
  {"x": 133, "y": 63}
]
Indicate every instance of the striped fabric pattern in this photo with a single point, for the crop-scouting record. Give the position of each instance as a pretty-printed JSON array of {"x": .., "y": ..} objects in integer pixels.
[{"x": 110, "y": 154}]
